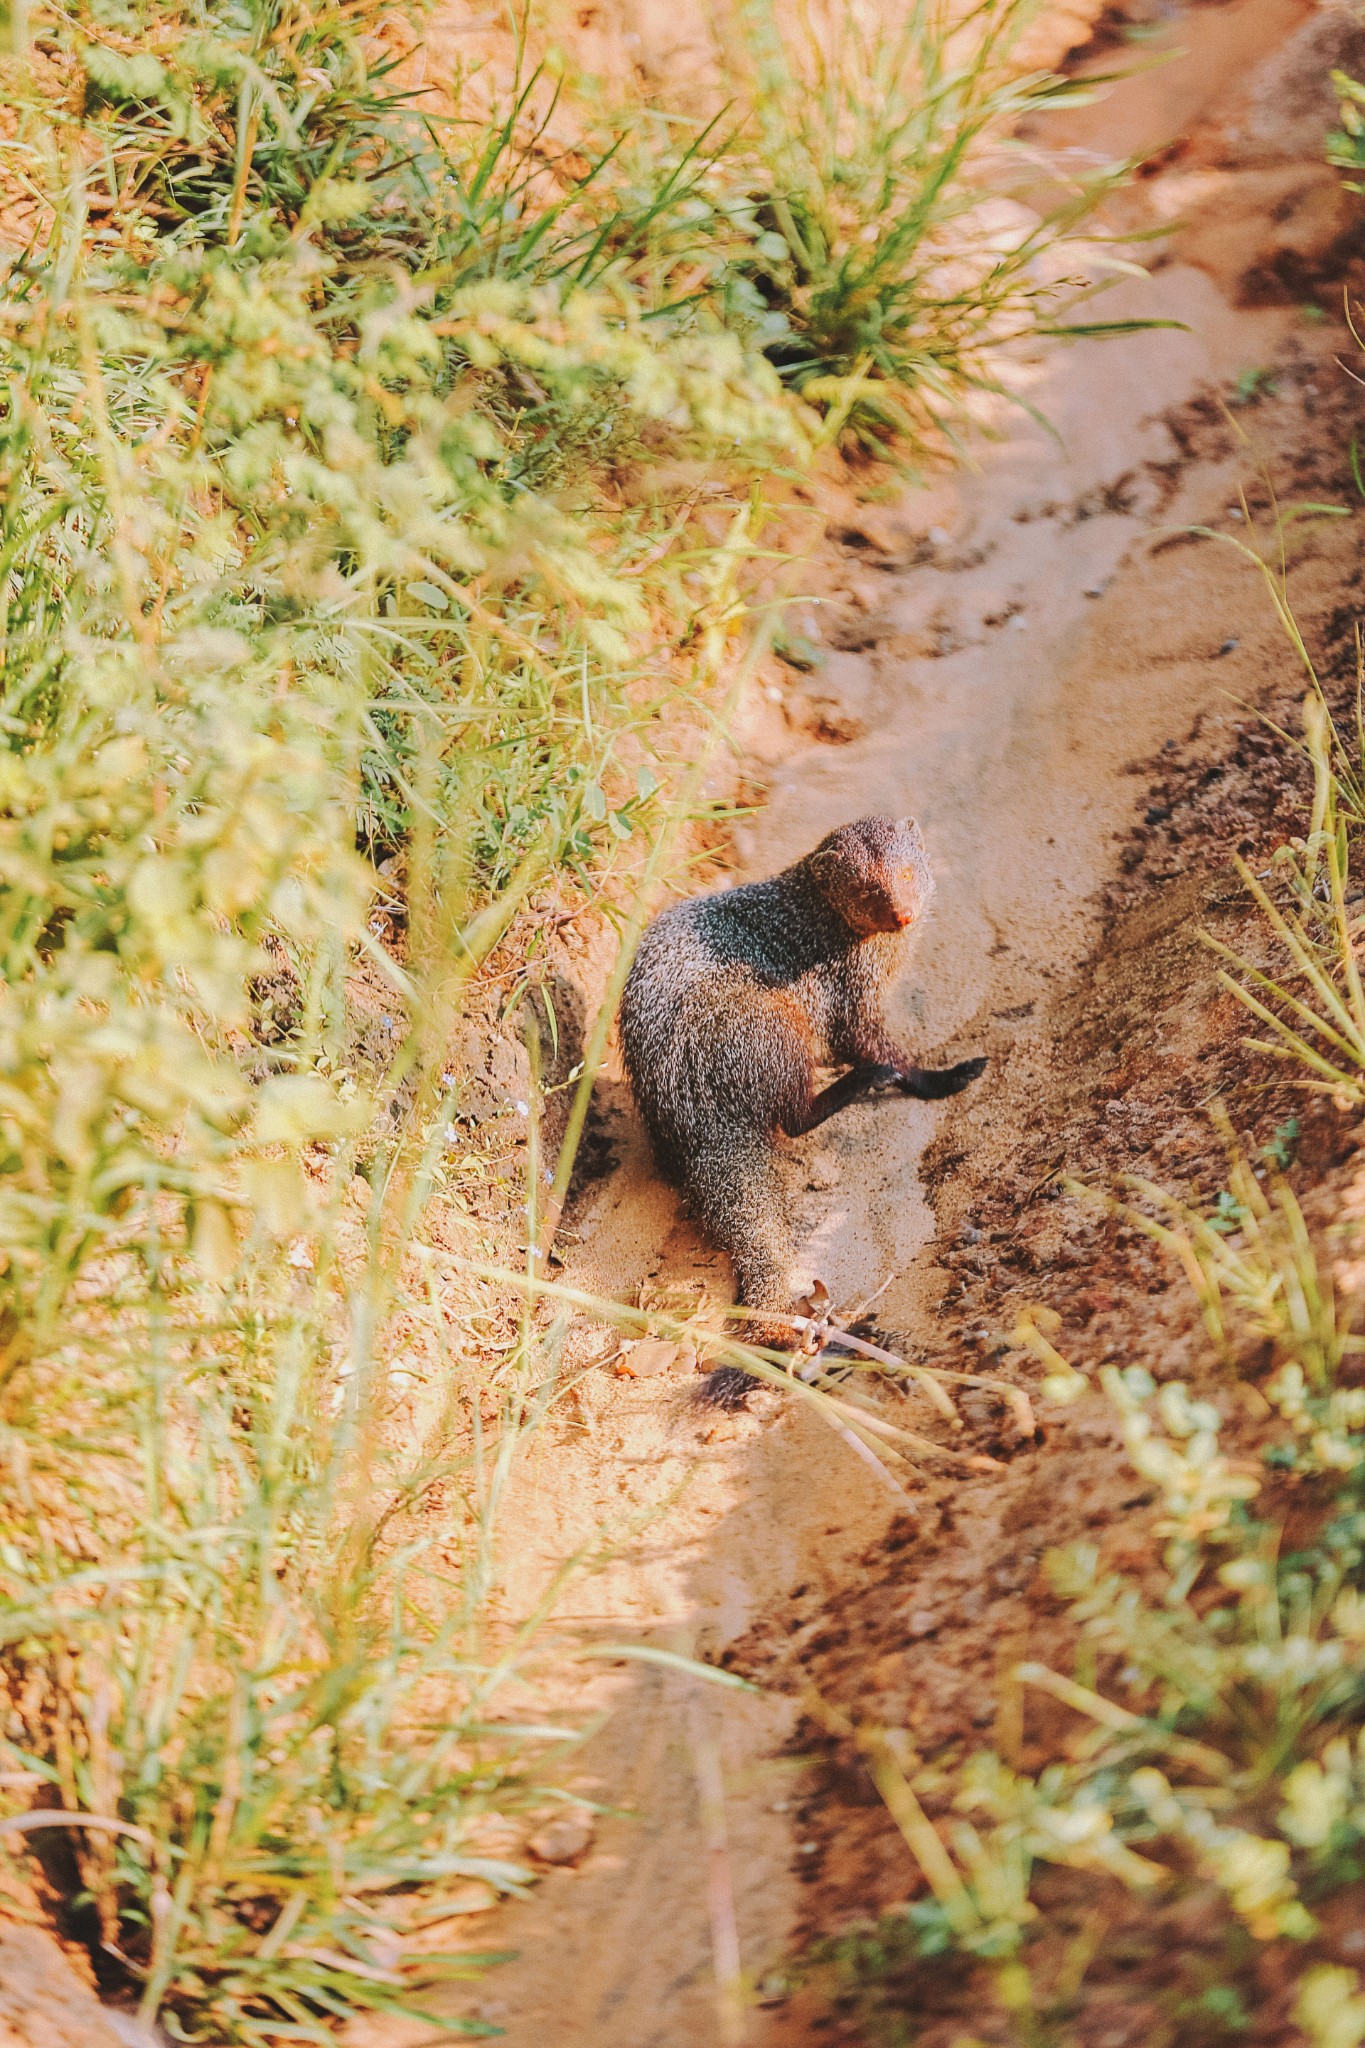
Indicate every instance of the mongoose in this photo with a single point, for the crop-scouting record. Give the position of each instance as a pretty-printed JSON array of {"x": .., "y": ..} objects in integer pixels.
[{"x": 735, "y": 999}]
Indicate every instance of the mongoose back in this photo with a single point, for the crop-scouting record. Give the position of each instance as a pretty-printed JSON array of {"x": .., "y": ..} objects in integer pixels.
[{"x": 735, "y": 999}]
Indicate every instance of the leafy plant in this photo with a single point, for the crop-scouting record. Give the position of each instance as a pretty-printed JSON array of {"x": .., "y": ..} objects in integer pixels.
[
  {"x": 1235, "y": 1761},
  {"x": 1346, "y": 147},
  {"x": 1314, "y": 1008},
  {"x": 898, "y": 247},
  {"x": 1250, "y": 1261}
]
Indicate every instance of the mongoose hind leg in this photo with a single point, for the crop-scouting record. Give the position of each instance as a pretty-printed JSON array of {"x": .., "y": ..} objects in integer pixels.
[
  {"x": 738, "y": 1194},
  {"x": 728, "y": 1388}
]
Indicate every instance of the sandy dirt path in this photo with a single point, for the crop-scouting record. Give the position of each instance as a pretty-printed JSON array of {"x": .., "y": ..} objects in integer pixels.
[{"x": 1001, "y": 647}]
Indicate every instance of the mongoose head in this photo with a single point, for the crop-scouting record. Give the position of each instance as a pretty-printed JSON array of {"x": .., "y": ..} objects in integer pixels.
[{"x": 874, "y": 873}]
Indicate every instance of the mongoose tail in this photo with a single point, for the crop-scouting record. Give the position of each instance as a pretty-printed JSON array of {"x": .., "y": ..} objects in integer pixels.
[
  {"x": 735, "y": 1000},
  {"x": 737, "y": 1194}
]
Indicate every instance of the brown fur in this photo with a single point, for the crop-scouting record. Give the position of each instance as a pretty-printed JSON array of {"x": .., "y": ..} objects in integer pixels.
[{"x": 732, "y": 1003}]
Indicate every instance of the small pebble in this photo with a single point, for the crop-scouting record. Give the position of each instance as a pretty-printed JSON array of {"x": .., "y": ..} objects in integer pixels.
[{"x": 564, "y": 1839}]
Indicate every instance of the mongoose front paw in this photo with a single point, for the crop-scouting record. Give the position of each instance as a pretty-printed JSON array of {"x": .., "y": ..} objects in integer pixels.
[
  {"x": 952, "y": 1080},
  {"x": 931, "y": 1084}
]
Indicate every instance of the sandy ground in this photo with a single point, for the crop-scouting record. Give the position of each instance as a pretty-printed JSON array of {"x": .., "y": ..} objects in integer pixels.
[{"x": 1001, "y": 650}]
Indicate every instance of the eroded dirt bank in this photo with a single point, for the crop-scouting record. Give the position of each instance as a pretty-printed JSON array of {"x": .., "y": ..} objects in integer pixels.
[{"x": 1031, "y": 660}]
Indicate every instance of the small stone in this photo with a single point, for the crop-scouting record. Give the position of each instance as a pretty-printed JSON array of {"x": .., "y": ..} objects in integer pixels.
[
  {"x": 922, "y": 1622},
  {"x": 564, "y": 1839},
  {"x": 650, "y": 1356}
]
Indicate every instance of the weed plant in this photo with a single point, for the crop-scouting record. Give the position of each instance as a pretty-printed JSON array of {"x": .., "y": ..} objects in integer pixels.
[
  {"x": 375, "y": 484},
  {"x": 898, "y": 247},
  {"x": 1224, "y": 1750}
]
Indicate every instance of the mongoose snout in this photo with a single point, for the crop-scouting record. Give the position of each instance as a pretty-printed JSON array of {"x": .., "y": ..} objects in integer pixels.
[{"x": 732, "y": 1003}]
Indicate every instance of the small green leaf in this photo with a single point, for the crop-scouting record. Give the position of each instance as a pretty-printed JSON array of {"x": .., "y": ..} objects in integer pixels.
[
  {"x": 1347, "y": 88},
  {"x": 337, "y": 199},
  {"x": 1082, "y": 329},
  {"x": 123, "y": 78},
  {"x": 1316, "y": 512}
]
